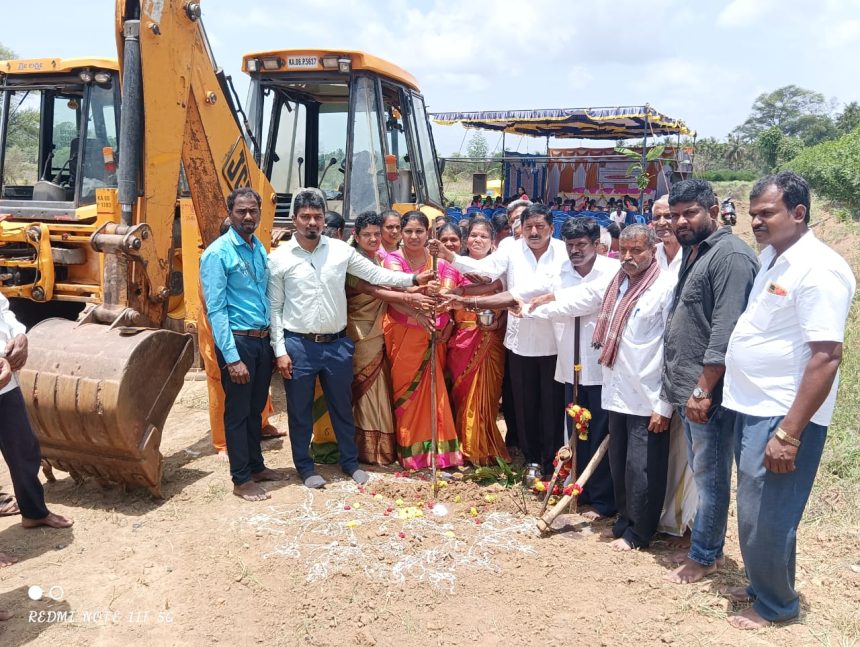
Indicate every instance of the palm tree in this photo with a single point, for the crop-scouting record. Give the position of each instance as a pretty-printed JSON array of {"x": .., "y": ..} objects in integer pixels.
[{"x": 735, "y": 152}]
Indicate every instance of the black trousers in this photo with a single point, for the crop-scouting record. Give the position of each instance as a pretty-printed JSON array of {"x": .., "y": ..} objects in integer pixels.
[
  {"x": 538, "y": 408},
  {"x": 21, "y": 452},
  {"x": 598, "y": 491},
  {"x": 639, "y": 461},
  {"x": 512, "y": 438},
  {"x": 243, "y": 406}
]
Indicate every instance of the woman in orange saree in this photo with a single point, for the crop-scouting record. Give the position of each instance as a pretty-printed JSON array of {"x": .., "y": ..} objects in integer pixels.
[
  {"x": 371, "y": 386},
  {"x": 476, "y": 362},
  {"x": 407, "y": 342}
]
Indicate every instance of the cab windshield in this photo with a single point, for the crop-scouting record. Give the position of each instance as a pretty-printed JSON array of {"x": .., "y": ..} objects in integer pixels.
[
  {"x": 58, "y": 139},
  {"x": 334, "y": 131}
]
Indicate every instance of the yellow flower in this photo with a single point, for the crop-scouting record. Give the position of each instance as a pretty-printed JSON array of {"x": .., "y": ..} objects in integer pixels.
[
  {"x": 352, "y": 523},
  {"x": 457, "y": 499},
  {"x": 399, "y": 503},
  {"x": 540, "y": 487},
  {"x": 450, "y": 534},
  {"x": 473, "y": 511},
  {"x": 490, "y": 498}
]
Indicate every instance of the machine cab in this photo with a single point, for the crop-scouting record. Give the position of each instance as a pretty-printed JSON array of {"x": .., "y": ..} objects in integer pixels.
[
  {"x": 349, "y": 123},
  {"x": 58, "y": 136}
]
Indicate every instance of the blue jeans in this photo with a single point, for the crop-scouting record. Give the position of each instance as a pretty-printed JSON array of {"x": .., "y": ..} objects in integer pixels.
[
  {"x": 769, "y": 510},
  {"x": 332, "y": 362},
  {"x": 709, "y": 450}
]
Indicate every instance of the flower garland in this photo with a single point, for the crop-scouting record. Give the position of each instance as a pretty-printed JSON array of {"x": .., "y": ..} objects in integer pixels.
[{"x": 581, "y": 417}]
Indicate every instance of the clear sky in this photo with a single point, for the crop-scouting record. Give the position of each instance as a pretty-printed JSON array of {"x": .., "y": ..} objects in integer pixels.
[{"x": 700, "y": 61}]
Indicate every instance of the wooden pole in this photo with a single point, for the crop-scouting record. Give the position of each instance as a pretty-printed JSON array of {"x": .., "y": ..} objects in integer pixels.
[
  {"x": 546, "y": 520},
  {"x": 434, "y": 413}
]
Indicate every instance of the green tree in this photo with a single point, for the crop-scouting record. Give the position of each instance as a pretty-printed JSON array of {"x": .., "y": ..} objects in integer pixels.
[
  {"x": 849, "y": 118},
  {"x": 788, "y": 109},
  {"x": 832, "y": 168},
  {"x": 735, "y": 152},
  {"x": 6, "y": 53},
  {"x": 768, "y": 142},
  {"x": 478, "y": 148}
]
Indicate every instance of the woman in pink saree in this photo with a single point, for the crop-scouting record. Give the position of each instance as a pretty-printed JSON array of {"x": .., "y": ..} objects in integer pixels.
[
  {"x": 476, "y": 363},
  {"x": 407, "y": 343}
]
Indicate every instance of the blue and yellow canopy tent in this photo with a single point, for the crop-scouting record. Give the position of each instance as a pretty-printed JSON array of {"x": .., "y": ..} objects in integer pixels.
[
  {"x": 602, "y": 123},
  {"x": 624, "y": 122}
]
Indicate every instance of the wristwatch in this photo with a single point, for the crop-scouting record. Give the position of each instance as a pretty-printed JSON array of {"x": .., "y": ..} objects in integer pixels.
[
  {"x": 698, "y": 394},
  {"x": 414, "y": 279}
]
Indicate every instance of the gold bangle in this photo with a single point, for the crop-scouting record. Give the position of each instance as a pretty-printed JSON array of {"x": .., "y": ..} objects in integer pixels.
[{"x": 786, "y": 438}]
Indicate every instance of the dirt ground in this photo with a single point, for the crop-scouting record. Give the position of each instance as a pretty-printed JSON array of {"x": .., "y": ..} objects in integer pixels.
[{"x": 378, "y": 567}]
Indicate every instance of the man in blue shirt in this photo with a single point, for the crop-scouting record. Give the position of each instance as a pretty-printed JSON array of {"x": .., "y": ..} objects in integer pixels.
[{"x": 234, "y": 272}]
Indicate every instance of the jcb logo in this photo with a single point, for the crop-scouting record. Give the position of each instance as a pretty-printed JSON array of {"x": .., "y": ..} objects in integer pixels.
[{"x": 236, "y": 167}]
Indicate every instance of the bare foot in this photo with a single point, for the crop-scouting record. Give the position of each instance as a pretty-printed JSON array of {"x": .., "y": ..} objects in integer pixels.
[
  {"x": 5, "y": 615},
  {"x": 270, "y": 431},
  {"x": 682, "y": 555},
  {"x": 689, "y": 572},
  {"x": 250, "y": 491},
  {"x": 268, "y": 475},
  {"x": 222, "y": 456},
  {"x": 592, "y": 515},
  {"x": 607, "y": 533},
  {"x": 678, "y": 543},
  {"x": 748, "y": 619},
  {"x": 621, "y": 545},
  {"x": 51, "y": 521},
  {"x": 7, "y": 560},
  {"x": 738, "y": 594}
]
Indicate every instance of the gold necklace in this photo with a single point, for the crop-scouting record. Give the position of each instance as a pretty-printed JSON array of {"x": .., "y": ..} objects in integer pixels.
[{"x": 415, "y": 266}]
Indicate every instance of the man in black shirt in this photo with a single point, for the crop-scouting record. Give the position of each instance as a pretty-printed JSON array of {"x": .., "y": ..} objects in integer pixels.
[{"x": 717, "y": 273}]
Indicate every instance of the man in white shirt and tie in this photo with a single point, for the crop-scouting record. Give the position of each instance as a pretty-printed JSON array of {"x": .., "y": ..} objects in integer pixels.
[
  {"x": 573, "y": 307},
  {"x": 307, "y": 297},
  {"x": 531, "y": 267}
]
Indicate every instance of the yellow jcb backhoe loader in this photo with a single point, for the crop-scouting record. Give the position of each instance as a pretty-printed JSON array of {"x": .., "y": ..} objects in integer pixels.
[{"x": 95, "y": 222}]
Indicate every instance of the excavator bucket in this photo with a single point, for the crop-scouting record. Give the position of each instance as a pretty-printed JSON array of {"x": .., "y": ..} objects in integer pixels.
[{"x": 98, "y": 397}]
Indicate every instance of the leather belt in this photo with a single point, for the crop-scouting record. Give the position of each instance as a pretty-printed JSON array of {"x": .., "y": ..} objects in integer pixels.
[
  {"x": 320, "y": 338},
  {"x": 262, "y": 333}
]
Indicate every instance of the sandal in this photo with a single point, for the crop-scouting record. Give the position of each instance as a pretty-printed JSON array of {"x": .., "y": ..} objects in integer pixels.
[{"x": 8, "y": 505}]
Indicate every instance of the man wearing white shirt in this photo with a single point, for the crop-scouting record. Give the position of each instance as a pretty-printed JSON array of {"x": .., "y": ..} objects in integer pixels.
[
  {"x": 782, "y": 374},
  {"x": 668, "y": 249},
  {"x": 681, "y": 502},
  {"x": 573, "y": 307},
  {"x": 18, "y": 443},
  {"x": 618, "y": 215},
  {"x": 307, "y": 297},
  {"x": 530, "y": 266},
  {"x": 629, "y": 334}
]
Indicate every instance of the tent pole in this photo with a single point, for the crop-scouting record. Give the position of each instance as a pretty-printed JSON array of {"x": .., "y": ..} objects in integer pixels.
[
  {"x": 502, "y": 171},
  {"x": 644, "y": 161},
  {"x": 546, "y": 174}
]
